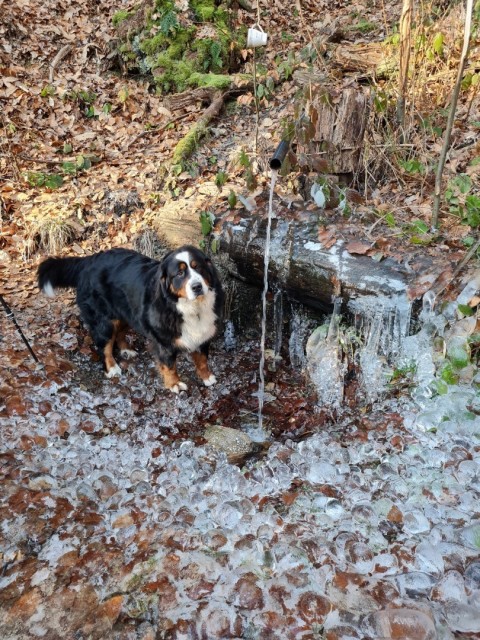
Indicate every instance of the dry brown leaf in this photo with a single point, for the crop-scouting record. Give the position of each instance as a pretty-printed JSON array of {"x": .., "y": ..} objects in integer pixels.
[
  {"x": 327, "y": 237},
  {"x": 358, "y": 247}
]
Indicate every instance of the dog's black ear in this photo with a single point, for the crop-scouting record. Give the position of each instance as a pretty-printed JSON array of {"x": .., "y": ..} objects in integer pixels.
[
  {"x": 208, "y": 264},
  {"x": 212, "y": 271},
  {"x": 162, "y": 285}
]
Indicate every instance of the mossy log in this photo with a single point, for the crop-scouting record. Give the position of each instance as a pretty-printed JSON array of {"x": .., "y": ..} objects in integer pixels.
[
  {"x": 234, "y": 85},
  {"x": 216, "y": 98},
  {"x": 215, "y": 95},
  {"x": 189, "y": 143},
  {"x": 185, "y": 99}
]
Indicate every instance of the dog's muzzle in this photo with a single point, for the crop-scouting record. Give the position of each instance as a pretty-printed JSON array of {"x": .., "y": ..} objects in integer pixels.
[{"x": 197, "y": 289}]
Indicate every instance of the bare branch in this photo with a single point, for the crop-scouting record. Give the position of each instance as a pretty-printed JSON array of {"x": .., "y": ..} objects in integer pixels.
[
  {"x": 405, "y": 45},
  {"x": 451, "y": 115},
  {"x": 64, "y": 51}
]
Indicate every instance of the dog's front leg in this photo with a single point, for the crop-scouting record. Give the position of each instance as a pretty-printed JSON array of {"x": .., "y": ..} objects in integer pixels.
[
  {"x": 200, "y": 359},
  {"x": 166, "y": 363}
]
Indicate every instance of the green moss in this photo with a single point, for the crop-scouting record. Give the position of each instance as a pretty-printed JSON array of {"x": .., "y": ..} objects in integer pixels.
[
  {"x": 172, "y": 50},
  {"x": 120, "y": 16},
  {"x": 175, "y": 45},
  {"x": 209, "y": 54},
  {"x": 204, "y": 9},
  {"x": 127, "y": 52},
  {"x": 214, "y": 80},
  {"x": 151, "y": 46},
  {"x": 172, "y": 74},
  {"x": 209, "y": 11},
  {"x": 164, "y": 5},
  {"x": 222, "y": 21},
  {"x": 188, "y": 144},
  {"x": 184, "y": 37},
  {"x": 175, "y": 51}
]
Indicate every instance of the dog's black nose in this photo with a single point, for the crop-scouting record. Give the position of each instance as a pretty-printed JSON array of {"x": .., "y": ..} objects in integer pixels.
[{"x": 197, "y": 288}]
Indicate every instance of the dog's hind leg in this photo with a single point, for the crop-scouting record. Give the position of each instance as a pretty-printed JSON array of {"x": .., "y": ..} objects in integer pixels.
[
  {"x": 111, "y": 366},
  {"x": 122, "y": 343},
  {"x": 103, "y": 331}
]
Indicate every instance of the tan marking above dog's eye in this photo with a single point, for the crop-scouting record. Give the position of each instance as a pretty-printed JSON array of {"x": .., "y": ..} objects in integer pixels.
[
  {"x": 193, "y": 264},
  {"x": 182, "y": 266}
]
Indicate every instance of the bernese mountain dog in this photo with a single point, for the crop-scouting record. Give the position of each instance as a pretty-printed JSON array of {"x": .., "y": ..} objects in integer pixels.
[{"x": 175, "y": 303}]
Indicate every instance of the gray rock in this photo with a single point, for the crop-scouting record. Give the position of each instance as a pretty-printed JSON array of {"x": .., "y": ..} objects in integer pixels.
[{"x": 233, "y": 442}]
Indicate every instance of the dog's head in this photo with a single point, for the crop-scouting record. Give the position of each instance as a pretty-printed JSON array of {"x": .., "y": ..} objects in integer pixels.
[{"x": 187, "y": 273}]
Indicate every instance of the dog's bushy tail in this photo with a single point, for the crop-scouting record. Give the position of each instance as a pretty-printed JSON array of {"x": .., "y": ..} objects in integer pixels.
[{"x": 54, "y": 273}]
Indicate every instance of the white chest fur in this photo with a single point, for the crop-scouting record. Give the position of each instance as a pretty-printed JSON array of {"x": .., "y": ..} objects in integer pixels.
[{"x": 198, "y": 321}]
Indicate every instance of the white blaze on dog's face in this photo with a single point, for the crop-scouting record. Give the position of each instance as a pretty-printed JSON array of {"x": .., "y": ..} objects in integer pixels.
[{"x": 191, "y": 278}]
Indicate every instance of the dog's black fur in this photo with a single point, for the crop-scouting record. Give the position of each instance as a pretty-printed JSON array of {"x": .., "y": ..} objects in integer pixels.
[{"x": 176, "y": 303}]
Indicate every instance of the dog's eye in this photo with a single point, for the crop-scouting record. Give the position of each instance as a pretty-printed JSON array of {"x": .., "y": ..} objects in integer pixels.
[{"x": 182, "y": 269}]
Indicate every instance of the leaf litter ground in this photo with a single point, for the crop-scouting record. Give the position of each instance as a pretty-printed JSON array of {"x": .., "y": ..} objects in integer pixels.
[{"x": 117, "y": 521}]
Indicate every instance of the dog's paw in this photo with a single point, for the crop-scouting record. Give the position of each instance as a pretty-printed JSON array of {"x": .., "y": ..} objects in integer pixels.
[
  {"x": 210, "y": 381},
  {"x": 114, "y": 371},
  {"x": 128, "y": 353},
  {"x": 180, "y": 386}
]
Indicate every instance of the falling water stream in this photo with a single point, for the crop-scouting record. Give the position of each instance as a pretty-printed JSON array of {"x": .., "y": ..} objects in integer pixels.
[{"x": 261, "y": 385}]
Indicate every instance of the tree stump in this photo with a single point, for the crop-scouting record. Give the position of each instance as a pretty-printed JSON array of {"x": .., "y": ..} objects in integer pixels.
[{"x": 337, "y": 121}]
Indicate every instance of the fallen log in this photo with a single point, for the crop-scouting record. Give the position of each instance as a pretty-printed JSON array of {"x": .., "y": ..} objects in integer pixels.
[
  {"x": 235, "y": 85},
  {"x": 189, "y": 143},
  {"x": 185, "y": 99},
  {"x": 372, "y": 58},
  {"x": 304, "y": 268}
]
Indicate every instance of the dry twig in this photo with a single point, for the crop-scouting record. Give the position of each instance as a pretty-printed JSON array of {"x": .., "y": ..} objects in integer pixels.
[
  {"x": 405, "y": 45},
  {"x": 64, "y": 51},
  {"x": 468, "y": 256}
]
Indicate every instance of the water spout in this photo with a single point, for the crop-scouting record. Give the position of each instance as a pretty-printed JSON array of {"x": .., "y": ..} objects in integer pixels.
[{"x": 279, "y": 155}]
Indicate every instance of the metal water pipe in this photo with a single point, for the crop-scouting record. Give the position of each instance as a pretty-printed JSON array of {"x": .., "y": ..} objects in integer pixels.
[{"x": 279, "y": 156}]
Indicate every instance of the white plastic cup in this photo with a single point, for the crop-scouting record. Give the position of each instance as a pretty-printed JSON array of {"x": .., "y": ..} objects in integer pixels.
[{"x": 256, "y": 37}]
